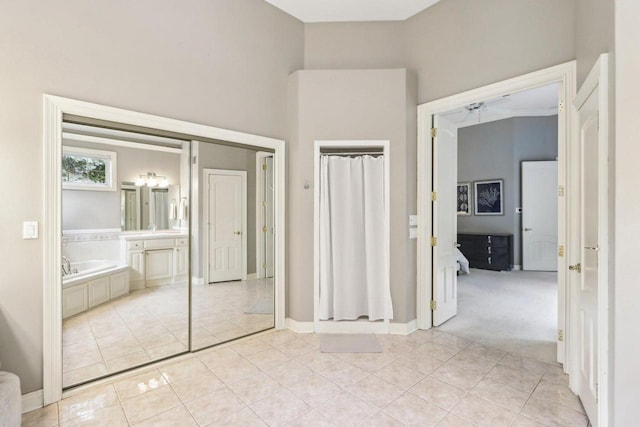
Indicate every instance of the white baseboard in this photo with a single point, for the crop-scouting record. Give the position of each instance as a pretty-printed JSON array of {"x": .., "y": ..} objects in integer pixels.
[
  {"x": 299, "y": 327},
  {"x": 403, "y": 328},
  {"x": 516, "y": 268},
  {"x": 197, "y": 280},
  {"x": 355, "y": 327},
  {"x": 32, "y": 401},
  {"x": 252, "y": 276}
]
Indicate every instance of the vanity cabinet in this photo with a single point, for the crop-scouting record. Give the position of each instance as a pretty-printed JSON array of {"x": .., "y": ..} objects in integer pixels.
[{"x": 155, "y": 259}]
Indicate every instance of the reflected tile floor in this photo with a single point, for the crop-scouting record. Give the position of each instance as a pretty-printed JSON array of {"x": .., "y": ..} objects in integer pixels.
[
  {"x": 152, "y": 323},
  {"x": 428, "y": 378}
]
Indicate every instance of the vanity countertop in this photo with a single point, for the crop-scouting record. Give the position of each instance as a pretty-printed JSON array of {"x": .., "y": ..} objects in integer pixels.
[{"x": 148, "y": 235}]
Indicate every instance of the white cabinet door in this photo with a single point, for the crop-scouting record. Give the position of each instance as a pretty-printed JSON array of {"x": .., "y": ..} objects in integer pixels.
[
  {"x": 159, "y": 266},
  {"x": 74, "y": 300},
  {"x": 99, "y": 291},
  {"x": 180, "y": 264},
  {"x": 119, "y": 284},
  {"x": 135, "y": 260}
]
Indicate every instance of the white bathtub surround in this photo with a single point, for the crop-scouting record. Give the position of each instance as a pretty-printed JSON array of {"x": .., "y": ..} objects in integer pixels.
[
  {"x": 100, "y": 283},
  {"x": 84, "y": 245}
]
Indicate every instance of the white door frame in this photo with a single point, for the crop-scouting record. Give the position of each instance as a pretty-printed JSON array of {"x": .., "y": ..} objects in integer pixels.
[
  {"x": 54, "y": 107},
  {"x": 260, "y": 219},
  {"x": 563, "y": 74},
  {"x": 365, "y": 326},
  {"x": 599, "y": 73},
  {"x": 206, "y": 173}
]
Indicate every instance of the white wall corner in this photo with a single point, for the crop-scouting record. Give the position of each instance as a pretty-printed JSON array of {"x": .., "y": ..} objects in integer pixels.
[
  {"x": 403, "y": 328},
  {"x": 32, "y": 401},
  {"x": 299, "y": 327},
  {"x": 516, "y": 267},
  {"x": 197, "y": 280}
]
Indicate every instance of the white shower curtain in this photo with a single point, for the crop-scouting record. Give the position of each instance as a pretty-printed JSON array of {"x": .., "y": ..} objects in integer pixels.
[{"x": 353, "y": 268}]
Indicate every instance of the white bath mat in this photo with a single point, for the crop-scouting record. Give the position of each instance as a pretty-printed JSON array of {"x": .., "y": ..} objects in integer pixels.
[
  {"x": 349, "y": 343},
  {"x": 262, "y": 306}
]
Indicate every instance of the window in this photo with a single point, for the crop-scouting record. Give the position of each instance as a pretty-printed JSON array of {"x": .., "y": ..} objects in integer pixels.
[{"x": 87, "y": 169}]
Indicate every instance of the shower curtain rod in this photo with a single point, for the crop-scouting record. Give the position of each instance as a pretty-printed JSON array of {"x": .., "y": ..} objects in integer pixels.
[{"x": 354, "y": 153}]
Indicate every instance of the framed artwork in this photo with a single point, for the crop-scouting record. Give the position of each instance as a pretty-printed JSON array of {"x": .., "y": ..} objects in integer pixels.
[
  {"x": 463, "y": 198},
  {"x": 88, "y": 169},
  {"x": 489, "y": 197}
]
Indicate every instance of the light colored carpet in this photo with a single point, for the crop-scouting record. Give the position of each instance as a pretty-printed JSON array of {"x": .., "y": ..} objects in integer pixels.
[
  {"x": 515, "y": 311},
  {"x": 349, "y": 343}
]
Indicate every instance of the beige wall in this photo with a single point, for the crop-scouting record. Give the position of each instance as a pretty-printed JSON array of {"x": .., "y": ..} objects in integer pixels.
[
  {"x": 351, "y": 105},
  {"x": 217, "y": 62},
  {"x": 594, "y": 33}
]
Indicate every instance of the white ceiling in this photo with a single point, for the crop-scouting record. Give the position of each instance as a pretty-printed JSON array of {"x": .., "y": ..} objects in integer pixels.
[
  {"x": 540, "y": 101},
  {"x": 352, "y": 10}
]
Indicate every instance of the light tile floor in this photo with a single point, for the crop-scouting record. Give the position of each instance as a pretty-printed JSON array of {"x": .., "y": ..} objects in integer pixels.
[
  {"x": 152, "y": 323},
  {"x": 428, "y": 378}
]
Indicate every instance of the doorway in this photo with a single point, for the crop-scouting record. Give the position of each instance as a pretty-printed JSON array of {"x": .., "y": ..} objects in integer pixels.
[{"x": 563, "y": 75}]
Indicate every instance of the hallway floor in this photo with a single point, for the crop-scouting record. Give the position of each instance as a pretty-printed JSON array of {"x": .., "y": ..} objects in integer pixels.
[{"x": 428, "y": 378}]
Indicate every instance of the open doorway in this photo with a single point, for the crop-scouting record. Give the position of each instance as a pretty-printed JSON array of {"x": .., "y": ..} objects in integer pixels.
[{"x": 497, "y": 159}]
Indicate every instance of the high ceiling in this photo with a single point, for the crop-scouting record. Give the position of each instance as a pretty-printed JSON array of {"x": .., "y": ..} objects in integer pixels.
[{"x": 352, "y": 10}]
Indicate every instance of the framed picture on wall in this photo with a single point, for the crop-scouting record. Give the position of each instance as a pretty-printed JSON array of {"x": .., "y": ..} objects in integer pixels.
[
  {"x": 489, "y": 197},
  {"x": 463, "y": 198}
]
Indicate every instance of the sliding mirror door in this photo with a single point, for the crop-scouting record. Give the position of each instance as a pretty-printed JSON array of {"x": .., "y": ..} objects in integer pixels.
[
  {"x": 125, "y": 246},
  {"x": 233, "y": 262}
]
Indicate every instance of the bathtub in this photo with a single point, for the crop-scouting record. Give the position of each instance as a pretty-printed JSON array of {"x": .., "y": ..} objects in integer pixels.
[
  {"x": 84, "y": 271},
  {"x": 93, "y": 283}
]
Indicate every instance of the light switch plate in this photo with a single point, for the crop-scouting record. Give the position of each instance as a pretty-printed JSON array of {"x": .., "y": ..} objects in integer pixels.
[
  {"x": 413, "y": 233},
  {"x": 413, "y": 219},
  {"x": 30, "y": 230}
]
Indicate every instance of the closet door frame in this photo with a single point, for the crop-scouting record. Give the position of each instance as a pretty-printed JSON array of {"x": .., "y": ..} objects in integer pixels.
[{"x": 365, "y": 326}]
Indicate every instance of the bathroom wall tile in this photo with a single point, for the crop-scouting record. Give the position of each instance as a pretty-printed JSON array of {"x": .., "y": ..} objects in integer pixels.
[
  {"x": 437, "y": 392},
  {"x": 410, "y": 409},
  {"x": 501, "y": 394},
  {"x": 375, "y": 390},
  {"x": 483, "y": 413}
]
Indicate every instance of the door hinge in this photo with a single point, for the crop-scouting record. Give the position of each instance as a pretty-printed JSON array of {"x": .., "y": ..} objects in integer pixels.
[
  {"x": 264, "y": 265},
  {"x": 434, "y": 241},
  {"x": 561, "y": 250},
  {"x": 434, "y": 132},
  {"x": 264, "y": 229},
  {"x": 195, "y": 159},
  {"x": 433, "y": 305},
  {"x": 264, "y": 203},
  {"x": 560, "y": 335},
  {"x": 561, "y": 106},
  {"x": 264, "y": 167},
  {"x": 434, "y": 196},
  {"x": 561, "y": 191}
]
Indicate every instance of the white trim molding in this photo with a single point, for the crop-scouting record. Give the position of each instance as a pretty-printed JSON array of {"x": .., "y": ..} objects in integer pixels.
[
  {"x": 32, "y": 401},
  {"x": 359, "y": 327},
  {"x": 565, "y": 75},
  {"x": 54, "y": 107}
]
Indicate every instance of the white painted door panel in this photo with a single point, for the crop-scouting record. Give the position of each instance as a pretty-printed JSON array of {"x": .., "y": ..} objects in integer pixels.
[
  {"x": 540, "y": 216},
  {"x": 445, "y": 173},
  {"x": 225, "y": 227},
  {"x": 588, "y": 288}
]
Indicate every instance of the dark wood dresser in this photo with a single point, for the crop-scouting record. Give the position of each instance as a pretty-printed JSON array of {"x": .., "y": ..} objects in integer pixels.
[{"x": 487, "y": 251}]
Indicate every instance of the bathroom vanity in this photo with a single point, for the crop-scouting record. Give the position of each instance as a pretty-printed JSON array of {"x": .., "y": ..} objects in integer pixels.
[{"x": 155, "y": 259}]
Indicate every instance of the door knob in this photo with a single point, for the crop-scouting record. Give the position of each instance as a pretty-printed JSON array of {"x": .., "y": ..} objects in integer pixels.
[
  {"x": 577, "y": 268},
  {"x": 528, "y": 229}
]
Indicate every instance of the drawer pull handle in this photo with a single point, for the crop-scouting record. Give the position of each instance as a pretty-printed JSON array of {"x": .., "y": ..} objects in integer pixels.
[{"x": 489, "y": 260}]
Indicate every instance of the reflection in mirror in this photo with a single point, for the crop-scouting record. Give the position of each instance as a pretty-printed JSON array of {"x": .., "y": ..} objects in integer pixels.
[
  {"x": 125, "y": 256},
  {"x": 233, "y": 288}
]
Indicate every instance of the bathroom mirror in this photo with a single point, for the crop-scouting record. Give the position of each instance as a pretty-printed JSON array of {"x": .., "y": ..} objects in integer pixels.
[
  {"x": 125, "y": 292},
  {"x": 150, "y": 208},
  {"x": 233, "y": 259}
]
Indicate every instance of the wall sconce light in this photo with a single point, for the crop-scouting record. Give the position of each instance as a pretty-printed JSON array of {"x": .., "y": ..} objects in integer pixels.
[{"x": 152, "y": 180}]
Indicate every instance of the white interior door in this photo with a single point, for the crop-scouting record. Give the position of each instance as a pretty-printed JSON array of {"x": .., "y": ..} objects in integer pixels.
[
  {"x": 540, "y": 216},
  {"x": 588, "y": 267},
  {"x": 445, "y": 225},
  {"x": 225, "y": 216}
]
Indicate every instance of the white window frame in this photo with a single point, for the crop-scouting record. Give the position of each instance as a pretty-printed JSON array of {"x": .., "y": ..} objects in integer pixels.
[{"x": 110, "y": 173}]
